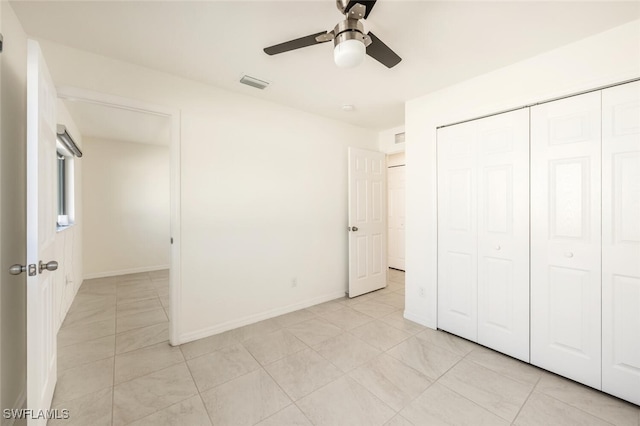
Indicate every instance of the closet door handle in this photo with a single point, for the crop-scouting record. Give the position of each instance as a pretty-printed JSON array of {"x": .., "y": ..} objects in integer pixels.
[
  {"x": 568, "y": 254},
  {"x": 498, "y": 248}
]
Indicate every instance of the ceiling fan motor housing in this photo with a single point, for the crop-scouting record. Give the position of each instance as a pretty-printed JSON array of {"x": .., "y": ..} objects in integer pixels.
[{"x": 350, "y": 29}]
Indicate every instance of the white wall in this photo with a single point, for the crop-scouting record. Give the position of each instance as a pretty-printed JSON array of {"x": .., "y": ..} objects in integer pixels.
[
  {"x": 264, "y": 194},
  {"x": 387, "y": 140},
  {"x": 13, "y": 199},
  {"x": 606, "y": 58},
  {"x": 126, "y": 207},
  {"x": 68, "y": 243}
]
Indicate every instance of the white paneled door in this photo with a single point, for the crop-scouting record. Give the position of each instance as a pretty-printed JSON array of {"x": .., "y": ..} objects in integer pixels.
[
  {"x": 41, "y": 222},
  {"x": 396, "y": 216},
  {"x": 503, "y": 232},
  {"x": 621, "y": 241},
  {"x": 367, "y": 221},
  {"x": 483, "y": 231},
  {"x": 566, "y": 237},
  {"x": 457, "y": 230}
]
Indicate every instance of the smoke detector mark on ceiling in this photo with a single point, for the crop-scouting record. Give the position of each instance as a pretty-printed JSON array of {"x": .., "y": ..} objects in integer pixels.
[{"x": 254, "y": 82}]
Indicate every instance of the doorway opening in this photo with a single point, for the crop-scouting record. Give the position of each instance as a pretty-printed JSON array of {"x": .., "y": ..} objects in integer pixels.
[
  {"x": 131, "y": 191},
  {"x": 396, "y": 211}
]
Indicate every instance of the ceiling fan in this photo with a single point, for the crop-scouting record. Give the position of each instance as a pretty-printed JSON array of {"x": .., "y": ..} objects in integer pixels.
[{"x": 350, "y": 40}]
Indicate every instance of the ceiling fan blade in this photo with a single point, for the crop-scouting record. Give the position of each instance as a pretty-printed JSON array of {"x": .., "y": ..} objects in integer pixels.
[
  {"x": 298, "y": 43},
  {"x": 366, "y": 3},
  {"x": 382, "y": 53}
]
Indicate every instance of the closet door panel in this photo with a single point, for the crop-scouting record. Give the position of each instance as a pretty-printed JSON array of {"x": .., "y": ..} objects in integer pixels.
[
  {"x": 457, "y": 230},
  {"x": 503, "y": 233},
  {"x": 566, "y": 237},
  {"x": 621, "y": 241}
]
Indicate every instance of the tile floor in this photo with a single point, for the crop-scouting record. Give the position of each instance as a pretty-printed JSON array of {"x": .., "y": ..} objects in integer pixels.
[{"x": 344, "y": 362}]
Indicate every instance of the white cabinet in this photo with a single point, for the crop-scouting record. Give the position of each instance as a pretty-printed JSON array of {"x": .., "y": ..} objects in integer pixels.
[
  {"x": 565, "y": 237},
  {"x": 621, "y": 241},
  {"x": 483, "y": 231}
]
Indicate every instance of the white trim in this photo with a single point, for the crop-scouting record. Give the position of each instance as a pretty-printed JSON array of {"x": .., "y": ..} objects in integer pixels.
[
  {"x": 420, "y": 320},
  {"x": 89, "y": 96},
  {"x": 175, "y": 278},
  {"x": 230, "y": 325},
  {"x": 125, "y": 272},
  {"x": 175, "y": 273}
]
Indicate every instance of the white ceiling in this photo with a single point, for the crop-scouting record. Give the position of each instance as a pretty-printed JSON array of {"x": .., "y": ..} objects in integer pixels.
[
  {"x": 118, "y": 124},
  {"x": 215, "y": 42}
]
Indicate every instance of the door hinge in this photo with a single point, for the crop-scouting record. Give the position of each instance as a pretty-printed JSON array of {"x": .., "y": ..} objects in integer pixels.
[
  {"x": 171, "y": 240},
  {"x": 1, "y": 42}
]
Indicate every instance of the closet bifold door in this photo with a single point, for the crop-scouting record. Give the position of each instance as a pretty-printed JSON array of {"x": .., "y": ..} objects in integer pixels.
[
  {"x": 566, "y": 237},
  {"x": 457, "y": 230},
  {"x": 483, "y": 231},
  {"x": 503, "y": 233},
  {"x": 621, "y": 241}
]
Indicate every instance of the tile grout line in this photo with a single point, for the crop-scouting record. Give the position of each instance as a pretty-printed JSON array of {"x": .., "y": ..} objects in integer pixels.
[
  {"x": 145, "y": 375},
  {"x": 573, "y": 406},
  {"x": 193, "y": 379},
  {"x": 474, "y": 403},
  {"x": 533, "y": 389},
  {"x": 277, "y": 384},
  {"x": 113, "y": 378},
  {"x": 113, "y": 394},
  {"x": 464, "y": 358}
]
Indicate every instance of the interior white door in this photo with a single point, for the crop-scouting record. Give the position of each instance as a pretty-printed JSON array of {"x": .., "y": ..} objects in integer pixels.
[
  {"x": 458, "y": 230},
  {"x": 41, "y": 221},
  {"x": 503, "y": 232},
  {"x": 621, "y": 241},
  {"x": 566, "y": 237},
  {"x": 367, "y": 222},
  {"x": 396, "y": 216}
]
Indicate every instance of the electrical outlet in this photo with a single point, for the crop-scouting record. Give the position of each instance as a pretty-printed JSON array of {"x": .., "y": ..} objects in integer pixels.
[
  {"x": 422, "y": 292},
  {"x": 294, "y": 283}
]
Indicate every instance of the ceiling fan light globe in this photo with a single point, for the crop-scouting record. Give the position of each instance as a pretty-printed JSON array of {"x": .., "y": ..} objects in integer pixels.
[{"x": 349, "y": 53}]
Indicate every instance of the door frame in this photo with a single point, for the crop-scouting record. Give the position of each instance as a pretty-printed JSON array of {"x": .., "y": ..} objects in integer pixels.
[{"x": 175, "y": 276}]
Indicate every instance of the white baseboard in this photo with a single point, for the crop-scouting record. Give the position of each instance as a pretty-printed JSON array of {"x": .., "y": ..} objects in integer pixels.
[
  {"x": 427, "y": 322},
  {"x": 124, "y": 272},
  {"x": 230, "y": 325}
]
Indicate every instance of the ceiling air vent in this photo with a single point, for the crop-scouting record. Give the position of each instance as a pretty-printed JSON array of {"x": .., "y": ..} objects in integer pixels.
[
  {"x": 254, "y": 82},
  {"x": 399, "y": 137}
]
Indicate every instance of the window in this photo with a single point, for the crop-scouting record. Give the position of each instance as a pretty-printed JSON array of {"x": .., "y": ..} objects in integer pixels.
[
  {"x": 65, "y": 189},
  {"x": 66, "y": 150},
  {"x": 62, "y": 181}
]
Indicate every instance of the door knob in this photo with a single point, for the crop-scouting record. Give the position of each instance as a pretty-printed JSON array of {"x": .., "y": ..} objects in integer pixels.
[
  {"x": 17, "y": 269},
  {"x": 568, "y": 254},
  {"x": 498, "y": 247},
  {"x": 354, "y": 228},
  {"x": 49, "y": 266}
]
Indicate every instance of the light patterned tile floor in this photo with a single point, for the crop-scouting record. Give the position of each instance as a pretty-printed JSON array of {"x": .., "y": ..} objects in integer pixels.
[{"x": 345, "y": 362}]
